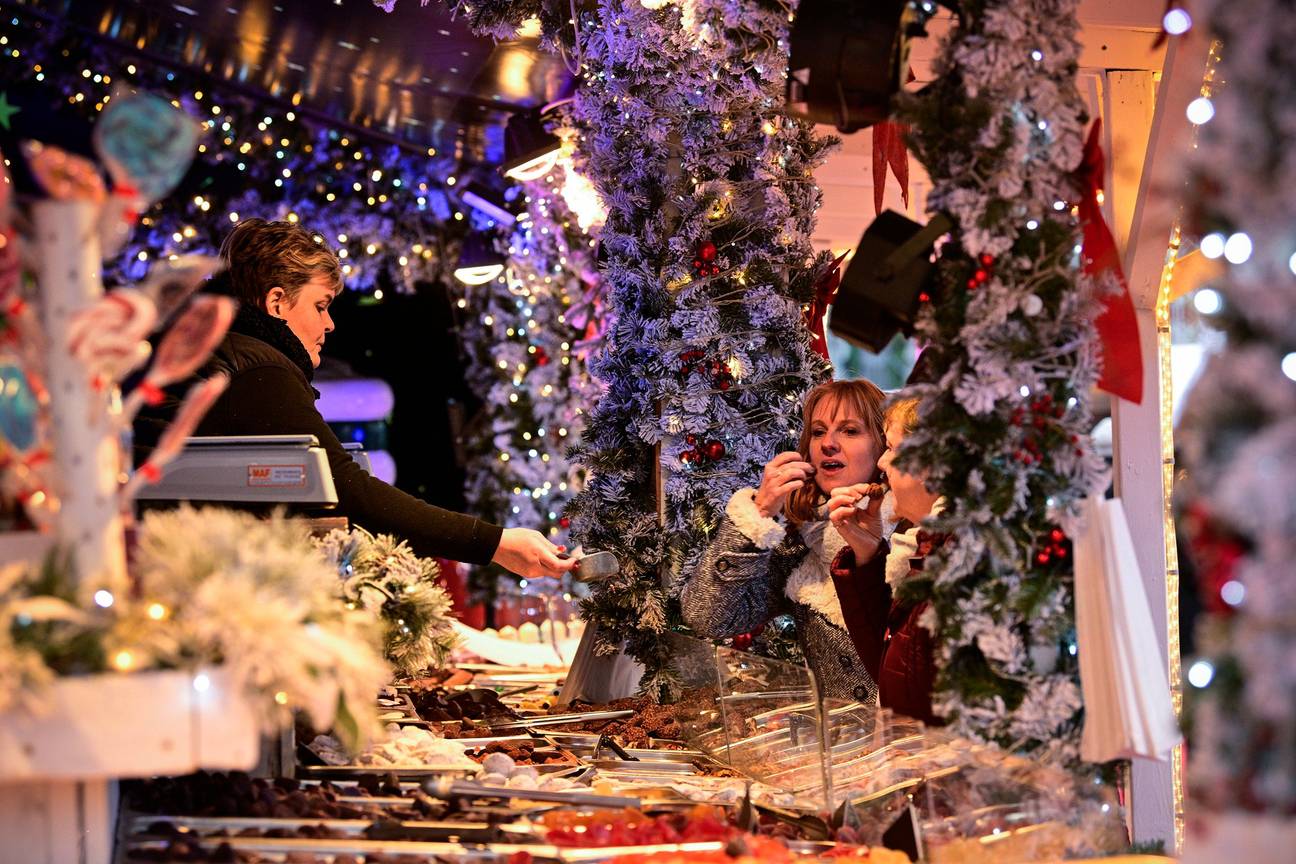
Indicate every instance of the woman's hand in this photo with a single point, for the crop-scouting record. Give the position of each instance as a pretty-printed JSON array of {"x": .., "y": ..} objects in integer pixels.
[
  {"x": 527, "y": 553},
  {"x": 784, "y": 474},
  {"x": 861, "y": 528}
]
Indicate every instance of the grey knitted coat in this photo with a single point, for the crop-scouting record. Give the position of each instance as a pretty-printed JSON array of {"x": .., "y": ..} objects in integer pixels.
[{"x": 756, "y": 569}]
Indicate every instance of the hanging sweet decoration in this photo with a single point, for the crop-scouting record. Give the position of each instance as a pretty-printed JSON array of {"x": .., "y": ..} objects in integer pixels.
[{"x": 146, "y": 143}]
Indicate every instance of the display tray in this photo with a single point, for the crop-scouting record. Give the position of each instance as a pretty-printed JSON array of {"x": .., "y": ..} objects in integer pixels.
[
  {"x": 459, "y": 851},
  {"x": 224, "y": 825},
  {"x": 351, "y": 772}
]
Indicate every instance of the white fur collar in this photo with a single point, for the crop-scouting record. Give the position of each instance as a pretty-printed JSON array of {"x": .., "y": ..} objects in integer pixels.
[
  {"x": 762, "y": 530},
  {"x": 811, "y": 582}
]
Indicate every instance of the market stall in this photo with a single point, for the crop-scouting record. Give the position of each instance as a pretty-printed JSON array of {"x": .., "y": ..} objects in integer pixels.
[{"x": 215, "y": 646}]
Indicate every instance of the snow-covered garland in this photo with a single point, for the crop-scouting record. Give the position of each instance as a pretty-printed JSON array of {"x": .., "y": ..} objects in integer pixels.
[
  {"x": 711, "y": 202},
  {"x": 1238, "y": 432},
  {"x": 528, "y": 335},
  {"x": 383, "y": 576},
  {"x": 1004, "y": 424}
]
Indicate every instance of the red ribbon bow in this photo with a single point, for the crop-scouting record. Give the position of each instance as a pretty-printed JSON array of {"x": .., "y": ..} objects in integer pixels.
[
  {"x": 825, "y": 293},
  {"x": 1122, "y": 355}
]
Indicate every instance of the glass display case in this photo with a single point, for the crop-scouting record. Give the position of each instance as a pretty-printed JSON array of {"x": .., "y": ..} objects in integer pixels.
[{"x": 874, "y": 769}]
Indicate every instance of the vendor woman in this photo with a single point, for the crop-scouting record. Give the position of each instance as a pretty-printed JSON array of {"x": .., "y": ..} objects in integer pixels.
[
  {"x": 773, "y": 550},
  {"x": 284, "y": 282}
]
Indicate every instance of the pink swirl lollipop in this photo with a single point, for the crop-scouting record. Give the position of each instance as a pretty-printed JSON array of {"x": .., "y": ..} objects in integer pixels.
[
  {"x": 170, "y": 283},
  {"x": 108, "y": 337},
  {"x": 195, "y": 405},
  {"x": 189, "y": 342}
]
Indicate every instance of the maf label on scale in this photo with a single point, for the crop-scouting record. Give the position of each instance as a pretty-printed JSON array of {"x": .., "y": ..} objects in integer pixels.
[{"x": 276, "y": 475}]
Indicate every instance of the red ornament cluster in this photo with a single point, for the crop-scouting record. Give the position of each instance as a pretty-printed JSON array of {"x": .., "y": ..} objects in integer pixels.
[
  {"x": 1056, "y": 547},
  {"x": 712, "y": 450},
  {"x": 983, "y": 272},
  {"x": 1043, "y": 412},
  {"x": 704, "y": 262},
  {"x": 718, "y": 370},
  {"x": 541, "y": 356}
]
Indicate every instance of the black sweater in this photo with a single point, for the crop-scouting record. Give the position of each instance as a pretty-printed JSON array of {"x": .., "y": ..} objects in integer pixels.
[{"x": 270, "y": 394}]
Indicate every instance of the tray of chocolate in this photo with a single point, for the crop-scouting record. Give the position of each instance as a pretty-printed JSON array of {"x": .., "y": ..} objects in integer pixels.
[{"x": 634, "y": 722}]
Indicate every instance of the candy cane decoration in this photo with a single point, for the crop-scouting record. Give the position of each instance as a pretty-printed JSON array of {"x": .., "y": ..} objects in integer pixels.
[
  {"x": 189, "y": 342},
  {"x": 195, "y": 405},
  {"x": 108, "y": 337}
]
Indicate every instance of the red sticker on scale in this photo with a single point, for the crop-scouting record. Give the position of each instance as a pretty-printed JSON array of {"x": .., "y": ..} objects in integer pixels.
[{"x": 276, "y": 475}]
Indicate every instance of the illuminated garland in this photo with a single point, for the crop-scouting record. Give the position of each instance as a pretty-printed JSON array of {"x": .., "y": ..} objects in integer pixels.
[
  {"x": 528, "y": 335},
  {"x": 1003, "y": 431}
]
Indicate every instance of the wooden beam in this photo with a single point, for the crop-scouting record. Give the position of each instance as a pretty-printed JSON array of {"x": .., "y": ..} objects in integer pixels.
[{"x": 1137, "y": 428}]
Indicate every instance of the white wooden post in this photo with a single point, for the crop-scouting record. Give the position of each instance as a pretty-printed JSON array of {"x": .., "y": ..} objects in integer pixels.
[
  {"x": 87, "y": 451},
  {"x": 1137, "y": 432}
]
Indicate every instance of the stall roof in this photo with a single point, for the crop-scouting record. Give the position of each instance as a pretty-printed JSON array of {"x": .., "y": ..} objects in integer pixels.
[{"x": 413, "y": 73}]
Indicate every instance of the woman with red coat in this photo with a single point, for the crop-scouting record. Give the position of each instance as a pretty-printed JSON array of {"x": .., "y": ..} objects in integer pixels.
[{"x": 889, "y": 634}]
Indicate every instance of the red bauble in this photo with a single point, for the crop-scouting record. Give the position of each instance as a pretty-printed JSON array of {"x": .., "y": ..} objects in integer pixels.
[
  {"x": 725, "y": 384},
  {"x": 688, "y": 457},
  {"x": 972, "y": 284},
  {"x": 924, "y": 297},
  {"x": 690, "y": 440},
  {"x": 1042, "y": 558},
  {"x": 542, "y": 357},
  {"x": 707, "y": 251},
  {"x": 715, "y": 450},
  {"x": 564, "y": 522},
  {"x": 742, "y": 641},
  {"x": 1057, "y": 535},
  {"x": 986, "y": 259}
]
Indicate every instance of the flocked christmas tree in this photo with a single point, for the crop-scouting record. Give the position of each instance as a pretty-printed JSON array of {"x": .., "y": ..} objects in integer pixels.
[
  {"x": 528, "y": 335},
  {"x": 711, "y": 201},
  {"x": 1239, "y": 424},
  {"x": 1004, "y": 421}
]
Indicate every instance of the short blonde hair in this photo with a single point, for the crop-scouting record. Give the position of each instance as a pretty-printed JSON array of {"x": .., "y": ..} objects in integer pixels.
[
  {"x": 261, "y": 255},
  {"x": 903, "y": 411}
]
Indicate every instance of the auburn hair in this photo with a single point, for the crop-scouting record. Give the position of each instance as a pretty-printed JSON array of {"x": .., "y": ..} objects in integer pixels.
[
  {"x": 261, "y": 255},
  {"x": 858, "y": 398}
]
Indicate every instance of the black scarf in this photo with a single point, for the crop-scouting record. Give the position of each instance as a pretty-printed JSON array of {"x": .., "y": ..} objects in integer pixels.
[{"x": 250, "y": 321}]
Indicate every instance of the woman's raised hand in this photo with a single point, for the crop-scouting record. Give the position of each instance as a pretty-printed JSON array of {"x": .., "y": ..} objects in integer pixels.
[
  {"x": 859, "y": 527},
  {"x": 784, "y": 474}
]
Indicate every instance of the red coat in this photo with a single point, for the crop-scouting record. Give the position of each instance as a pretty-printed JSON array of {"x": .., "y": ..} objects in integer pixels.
[{"x": 896, "y": 651}]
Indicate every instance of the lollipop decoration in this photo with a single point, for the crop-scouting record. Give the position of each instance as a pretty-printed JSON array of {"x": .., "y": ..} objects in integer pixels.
[
  {"x": 170, "y": 283},
  {"x": 146, "y": 143},
  {"x": 108, "y": 337},
  {"x": 187, "y": 344},
  {"x": 196, "y": 404},
  {"x": 64, "y": 176}
]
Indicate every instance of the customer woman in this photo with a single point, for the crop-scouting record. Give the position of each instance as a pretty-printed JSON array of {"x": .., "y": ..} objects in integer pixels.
[
  {"x": 773, "y": 550},
  {"x": 889, "y": 633},
  {"x": 284, "y": 282}
]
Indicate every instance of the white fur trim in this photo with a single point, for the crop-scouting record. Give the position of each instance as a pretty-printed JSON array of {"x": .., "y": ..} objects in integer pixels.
[
  {"x": 904, "y": 545},
  {"x": 762, "y": 530},
  {"x": 811, "y": 582}
]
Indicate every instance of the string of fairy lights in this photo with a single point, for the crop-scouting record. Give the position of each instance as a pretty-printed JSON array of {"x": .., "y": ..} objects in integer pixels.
[{"x": 392, "y": 213}]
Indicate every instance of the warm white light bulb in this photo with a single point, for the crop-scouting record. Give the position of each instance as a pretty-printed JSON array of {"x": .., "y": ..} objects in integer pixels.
[
  {"x": 1212, "y": 245},
  {"x": 1237, "y": 248},
  {"x": 1289, "y": 366},
  {"x": 1177, "y": 22},
  {"x": 1200, "y": 673},
  {"x": 1200, "y": 110},
  {"x": 1207, "y": 301},
  {"x": 478, "y": 275}
]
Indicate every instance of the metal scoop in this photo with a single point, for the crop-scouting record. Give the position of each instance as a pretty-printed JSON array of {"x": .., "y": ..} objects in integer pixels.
[{"x": 595, "y": 566}]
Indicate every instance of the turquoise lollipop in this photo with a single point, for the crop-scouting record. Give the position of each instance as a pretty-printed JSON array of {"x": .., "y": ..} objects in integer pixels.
[
  {"x": 18, "y": 407},
  {"x": 146, "y": 143}
]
